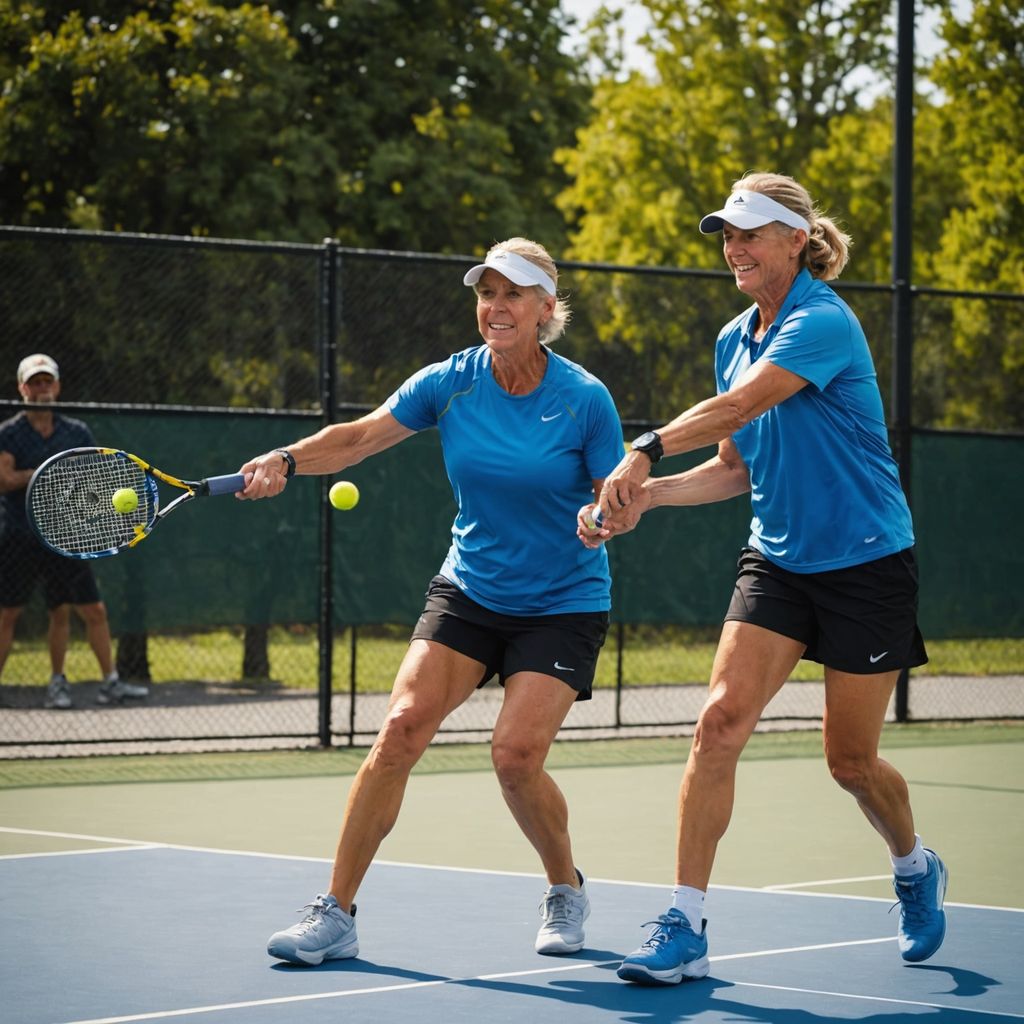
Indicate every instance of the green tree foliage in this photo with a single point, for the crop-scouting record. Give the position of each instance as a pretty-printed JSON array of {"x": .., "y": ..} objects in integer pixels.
[
  {"x": 182, "y": 117},
  {"x": 806, "y": 89},
  {"x": 444, "y": 115},
  {"x": 740, "y": 84},
  {"x": 426, "y": 125},
  {"x": 980, "y": 71}
]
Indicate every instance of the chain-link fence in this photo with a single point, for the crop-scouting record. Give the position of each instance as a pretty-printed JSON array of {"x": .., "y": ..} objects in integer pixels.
[{"x": 283, "y": 623}]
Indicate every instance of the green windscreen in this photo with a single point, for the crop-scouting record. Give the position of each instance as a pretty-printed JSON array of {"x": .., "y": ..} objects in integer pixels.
[{"x": 224, "y": 562}]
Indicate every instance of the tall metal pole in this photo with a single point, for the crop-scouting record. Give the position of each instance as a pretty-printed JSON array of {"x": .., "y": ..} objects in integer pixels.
[
  {"x": 902, "y": 253},
  {"x": 330, "y": 260}
]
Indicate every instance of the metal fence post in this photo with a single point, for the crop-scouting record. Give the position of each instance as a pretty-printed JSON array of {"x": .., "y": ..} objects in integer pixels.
[
  {"x": 902, "y": 267},
  {"x": 330, "y": 263}
]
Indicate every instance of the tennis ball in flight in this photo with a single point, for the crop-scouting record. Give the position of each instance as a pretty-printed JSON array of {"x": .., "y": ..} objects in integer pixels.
[
  {"x": 124, "y": 501},
  {"x": 344, "y": 495}
]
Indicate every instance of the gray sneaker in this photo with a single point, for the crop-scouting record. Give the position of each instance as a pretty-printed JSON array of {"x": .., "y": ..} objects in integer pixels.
[
  {"x": 564, "y": 909},
  {"x": 113, "y": 691},
  {"x": 325, "y": 933},
  {"x": 58, "y": 693}
]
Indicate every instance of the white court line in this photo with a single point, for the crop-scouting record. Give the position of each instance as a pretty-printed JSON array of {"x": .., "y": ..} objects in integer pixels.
[
  {"x": 883, "y": 999},
  {"x": 377, "y": 989},
  {"x": 309, "y": 997},
  {"x": 663, "y": 887},
  {"x": 802, "y": 949},
  {"x": 75, "y": 853},
  {"x": 780, "y": 887},
  {"x": 74, "y": 835}
]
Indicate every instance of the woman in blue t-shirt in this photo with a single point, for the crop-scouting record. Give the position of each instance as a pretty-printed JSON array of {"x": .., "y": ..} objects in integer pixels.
[
  {"x": 528, "y": 438},
  {"x": 828, "y": 573}
]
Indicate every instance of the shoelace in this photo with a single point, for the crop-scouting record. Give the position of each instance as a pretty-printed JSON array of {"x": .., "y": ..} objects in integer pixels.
[
  {"x": 664, "y": 932},
  {"x": 555, "y": 908},
  {"x": 913, "y": 900},
  {"x": 315, "y": 913}
]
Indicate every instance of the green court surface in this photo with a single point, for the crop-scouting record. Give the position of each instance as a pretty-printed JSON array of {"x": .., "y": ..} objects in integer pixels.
[{"x": 792, "y": 827}]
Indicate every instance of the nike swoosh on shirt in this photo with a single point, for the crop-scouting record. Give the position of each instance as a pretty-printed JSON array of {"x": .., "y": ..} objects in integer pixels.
[
  {"x": 871, "y": 540},
  {"x": 564, "y": 668},
  {"x": 547, "y": 419}
]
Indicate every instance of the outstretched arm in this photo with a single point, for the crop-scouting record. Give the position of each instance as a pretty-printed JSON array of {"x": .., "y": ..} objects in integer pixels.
[
  {"x": 715, "y": 419},
  {"x": 724, "y": 476},
  {"x": 328, "y": 451}
]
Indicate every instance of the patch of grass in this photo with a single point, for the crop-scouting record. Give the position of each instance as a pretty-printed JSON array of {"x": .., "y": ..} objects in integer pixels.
[
  {"x": 461, "y": 757},
  {"x": 651, "y": 655}
]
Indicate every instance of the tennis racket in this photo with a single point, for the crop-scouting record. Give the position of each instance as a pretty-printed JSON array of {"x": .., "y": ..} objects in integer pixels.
[{"x": 70, "y": 507}]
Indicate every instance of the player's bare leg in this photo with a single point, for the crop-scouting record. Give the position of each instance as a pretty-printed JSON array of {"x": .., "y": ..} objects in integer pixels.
[
  {"x": 855, "y": 707},
  {"x": 751, "y": 664},
  {"x": 432, "y": 681},
  {"x": 97, "y": 634},
  {"x": 534, "y": 708},
  {"x": 58, "y": 636},
  {"x": 8, "y": 620}
]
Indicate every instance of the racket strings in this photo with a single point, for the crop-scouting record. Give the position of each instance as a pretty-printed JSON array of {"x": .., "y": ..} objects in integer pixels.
[{"x": 71, "y": 502}]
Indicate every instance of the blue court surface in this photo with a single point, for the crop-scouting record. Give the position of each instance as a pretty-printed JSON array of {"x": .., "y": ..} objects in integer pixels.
[{"x": 154, "y": 932}]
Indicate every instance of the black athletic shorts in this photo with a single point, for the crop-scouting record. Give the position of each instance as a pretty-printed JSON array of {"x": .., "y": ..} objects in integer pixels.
[
  {"x": 860, "y": 619},
  {"x": 24, "y": 562},
  {"x": 564, "y": 646}
]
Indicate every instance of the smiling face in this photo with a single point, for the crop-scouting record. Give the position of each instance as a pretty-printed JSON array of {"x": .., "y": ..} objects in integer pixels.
[
  {"x": 508, "y": 315},
  {"x": 764, "y": 261}
]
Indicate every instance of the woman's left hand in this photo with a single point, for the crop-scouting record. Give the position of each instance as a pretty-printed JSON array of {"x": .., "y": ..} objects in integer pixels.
[
  {"x": 589, "y": 530},
  {"x": 625, "y": 483}
]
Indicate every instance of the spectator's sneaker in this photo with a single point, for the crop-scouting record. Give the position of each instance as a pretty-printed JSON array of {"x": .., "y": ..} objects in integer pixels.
[
  {"x": 113, "y": 691},
  {"x": 564, "y": 909},
  {"x": 922, "y": 920},
  {"x": 58, "y": 693},
  {"x": 671, "y": 952},
  {"x": 325, "y": 933}
]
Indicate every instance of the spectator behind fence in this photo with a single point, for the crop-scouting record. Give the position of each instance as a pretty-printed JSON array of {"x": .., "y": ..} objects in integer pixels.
[
  {"x": 26, "y": 441},
  {"x": 829, "y": 572},
  {"x": 513, "y": 598}
]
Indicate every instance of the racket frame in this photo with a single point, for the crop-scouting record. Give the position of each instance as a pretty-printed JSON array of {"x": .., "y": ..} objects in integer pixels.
[{"x": 206, "y": 487}]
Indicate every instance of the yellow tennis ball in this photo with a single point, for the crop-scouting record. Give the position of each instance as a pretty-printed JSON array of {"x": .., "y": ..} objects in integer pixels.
[
  {"x": 124, "y": 501},
  {"x": 344, "y": 495}
]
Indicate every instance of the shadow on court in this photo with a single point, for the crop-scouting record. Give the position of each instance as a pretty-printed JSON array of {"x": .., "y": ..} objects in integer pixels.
[{"x": 179, "y": 934}]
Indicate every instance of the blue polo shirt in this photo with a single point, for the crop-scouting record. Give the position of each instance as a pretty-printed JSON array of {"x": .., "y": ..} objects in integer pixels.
[
  {"x": 520, "y": 467},
  {"x": 825, "y": 489},
  {"x": 30, "y": 450}
]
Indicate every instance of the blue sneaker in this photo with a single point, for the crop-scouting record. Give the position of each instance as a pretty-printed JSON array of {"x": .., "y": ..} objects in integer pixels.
[
  {"x": 325, "y": 933},
  {"x": 922, "y": 921},
  {"x": 671, "y": 952}
]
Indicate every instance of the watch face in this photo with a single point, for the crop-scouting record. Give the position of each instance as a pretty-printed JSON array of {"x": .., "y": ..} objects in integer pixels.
[{"x": 645, "y": 440}]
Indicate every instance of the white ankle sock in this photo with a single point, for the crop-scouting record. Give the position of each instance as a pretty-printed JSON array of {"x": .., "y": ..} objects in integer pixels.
[
  {"x": 690, "y": 902},
  {"x": 913, "y": 864}
]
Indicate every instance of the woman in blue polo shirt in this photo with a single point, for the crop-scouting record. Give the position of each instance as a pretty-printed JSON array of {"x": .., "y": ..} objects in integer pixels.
[
  {"x": 528, "y": 438},
  {"x": 828, "y": 572}
]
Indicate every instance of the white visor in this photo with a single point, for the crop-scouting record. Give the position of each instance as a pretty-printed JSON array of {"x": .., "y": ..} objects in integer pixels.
[
  {"x": 513, "y": 266},
  {"x": 745, "y": 210}
]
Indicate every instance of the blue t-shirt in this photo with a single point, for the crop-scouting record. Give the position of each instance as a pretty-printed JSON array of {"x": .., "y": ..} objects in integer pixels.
[
  {"x": 824, "y": 486},
  {"x": 30, "y": 450},
  {"x": 520, "y": 467}
]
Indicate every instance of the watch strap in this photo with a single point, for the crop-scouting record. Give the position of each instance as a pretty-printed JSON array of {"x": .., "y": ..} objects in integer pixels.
[{"x": 289, "y": 462}]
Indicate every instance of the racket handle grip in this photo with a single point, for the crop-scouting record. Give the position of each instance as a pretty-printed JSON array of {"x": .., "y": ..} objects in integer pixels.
[
  {"x": 216, "y": 485},
  {"x": 595, "y": 518}
]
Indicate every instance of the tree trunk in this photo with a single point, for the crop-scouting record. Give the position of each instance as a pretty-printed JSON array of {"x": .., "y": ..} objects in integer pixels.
[
  {"x": 255, "y": 658},
  {"x": 133, "y": 657}
]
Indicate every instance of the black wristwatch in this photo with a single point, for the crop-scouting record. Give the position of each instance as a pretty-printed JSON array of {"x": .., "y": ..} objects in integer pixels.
[
  {"x": 289, "y": 462},
  {"x": 650, "y": 444}
]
